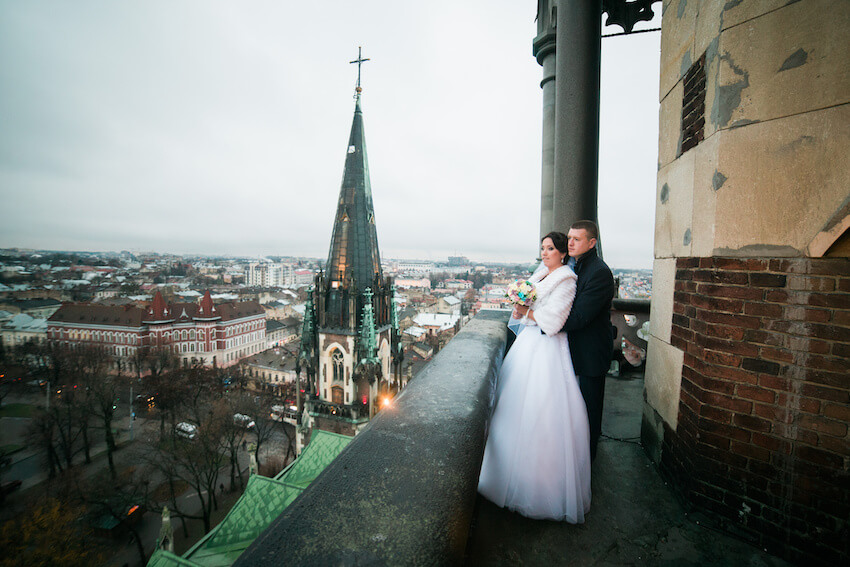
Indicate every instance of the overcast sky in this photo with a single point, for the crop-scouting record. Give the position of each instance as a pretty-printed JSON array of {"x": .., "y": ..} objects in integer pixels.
[{"x": 218, "y": 127}]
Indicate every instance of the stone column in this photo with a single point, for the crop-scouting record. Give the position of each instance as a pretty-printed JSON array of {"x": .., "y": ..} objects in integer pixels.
[
  {"x": 544, "y": 52},
  {"x": 578, "y": 45}
]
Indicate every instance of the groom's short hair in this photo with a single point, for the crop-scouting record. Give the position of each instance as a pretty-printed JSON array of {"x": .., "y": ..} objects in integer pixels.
[{"x": 588, "y": 225}]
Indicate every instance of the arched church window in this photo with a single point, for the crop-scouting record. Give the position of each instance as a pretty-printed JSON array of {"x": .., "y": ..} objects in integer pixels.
[{"x": 337, "y": 361}]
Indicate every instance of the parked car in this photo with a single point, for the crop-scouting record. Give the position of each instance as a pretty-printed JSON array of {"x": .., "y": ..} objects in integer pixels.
[
  {"x": 243, "y": 420},
  {"x": 186, "y": 430}
]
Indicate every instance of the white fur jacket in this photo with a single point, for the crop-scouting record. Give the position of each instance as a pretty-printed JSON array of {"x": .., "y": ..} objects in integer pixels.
[{"x": 555, "y": 294}]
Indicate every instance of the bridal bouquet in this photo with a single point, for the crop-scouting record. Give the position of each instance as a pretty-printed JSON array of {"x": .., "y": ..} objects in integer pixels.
[{"x": 521, "y": 292}]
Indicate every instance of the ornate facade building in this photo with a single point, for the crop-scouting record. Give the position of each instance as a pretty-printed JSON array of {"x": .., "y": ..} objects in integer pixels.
[
  {"x": 350, "y": 342},
  {"x": 215, "y": 335}
]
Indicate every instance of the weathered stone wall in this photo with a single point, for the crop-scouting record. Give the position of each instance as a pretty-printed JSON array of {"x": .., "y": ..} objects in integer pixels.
[{"x": 750, "y": 291}]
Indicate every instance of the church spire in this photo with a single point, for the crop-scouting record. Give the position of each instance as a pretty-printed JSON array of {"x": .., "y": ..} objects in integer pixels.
[{"x": 354, "y": 257}]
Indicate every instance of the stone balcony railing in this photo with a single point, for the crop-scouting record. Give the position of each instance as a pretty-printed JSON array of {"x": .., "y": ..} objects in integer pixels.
[{"x": 403, "y": 491}]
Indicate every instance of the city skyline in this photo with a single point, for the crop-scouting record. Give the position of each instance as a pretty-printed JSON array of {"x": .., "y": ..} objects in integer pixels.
[{"x": 127, "y": 130}]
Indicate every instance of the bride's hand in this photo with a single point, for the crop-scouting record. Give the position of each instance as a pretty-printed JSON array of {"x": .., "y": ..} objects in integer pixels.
[{"x": 520, "y": 311}]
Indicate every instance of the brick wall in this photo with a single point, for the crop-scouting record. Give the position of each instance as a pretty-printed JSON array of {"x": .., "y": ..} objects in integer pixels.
[{"x": 762, "y": 437}]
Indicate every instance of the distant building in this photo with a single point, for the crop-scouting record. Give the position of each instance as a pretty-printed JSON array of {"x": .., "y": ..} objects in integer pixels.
[
  {"x": 458, "y": 261},
  {"x": 458, "y": 284},
  {"x": 414, "y": 267},
  {"x": 37, "y": 308},
  {"x": 217, "y": 335},
  {"x": 449, "y": 304},
  {"x": 281, "y": 332},
  {"x": 271, "y": 369},
  {"x": 267, "y": 274},
  {"x": 22, "y": 328},
  {"x": 278, "y": 309},
  {"x": 436, "y": 323},
  {"x": 304, "y": 277},
  {"x": 414, "y": 283}
]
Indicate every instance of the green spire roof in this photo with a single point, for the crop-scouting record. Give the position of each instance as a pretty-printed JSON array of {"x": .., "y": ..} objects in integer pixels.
[
  {"x": 354, "y": 243},
  {"x": 368, "y": 346}
]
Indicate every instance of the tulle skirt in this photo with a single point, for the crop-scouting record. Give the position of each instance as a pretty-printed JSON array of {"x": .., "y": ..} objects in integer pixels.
[{"x": 537, "y": 457}]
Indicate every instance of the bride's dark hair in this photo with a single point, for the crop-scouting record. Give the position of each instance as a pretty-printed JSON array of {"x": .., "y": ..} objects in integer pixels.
[{"x": 559, "y": 239}]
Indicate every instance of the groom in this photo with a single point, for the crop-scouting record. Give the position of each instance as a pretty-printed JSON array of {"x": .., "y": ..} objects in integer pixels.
[{"x": 588, "y": 327}]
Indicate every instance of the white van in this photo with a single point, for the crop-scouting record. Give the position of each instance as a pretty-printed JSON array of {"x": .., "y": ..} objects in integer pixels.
[
  {"x": 277, "y": 413},
  {"x": 243, "y": 420},
  {"x": 186, "y": 430}
]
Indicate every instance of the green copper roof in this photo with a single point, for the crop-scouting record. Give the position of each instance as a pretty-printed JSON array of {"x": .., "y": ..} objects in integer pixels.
[
  {"x": 368, "y": 348},
  {"x": 354, "y": 243},
  {"x": 323, "y": 448},
  {"x": 263, "y": 501}
]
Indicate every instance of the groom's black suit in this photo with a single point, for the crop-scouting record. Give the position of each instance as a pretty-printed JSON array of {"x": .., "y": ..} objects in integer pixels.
[{"x": 590, "y": 335}]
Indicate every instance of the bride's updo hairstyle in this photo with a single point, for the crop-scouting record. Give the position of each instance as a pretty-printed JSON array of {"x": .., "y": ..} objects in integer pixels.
[{"x": 559, "y": 239}]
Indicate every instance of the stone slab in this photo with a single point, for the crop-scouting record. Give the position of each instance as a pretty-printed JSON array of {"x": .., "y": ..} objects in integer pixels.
[
  {"x": 663, "y": 379},
  {"x": 674, "y": 208},
  {"x": 661, "y": 307},
  {"x": 677, "y": 41},
  {"x": 670, "y": 126},
  {"x": 708, "y": 180},
  {"x": 785, "y": 180},
  {"x": 786, "y": 62}
]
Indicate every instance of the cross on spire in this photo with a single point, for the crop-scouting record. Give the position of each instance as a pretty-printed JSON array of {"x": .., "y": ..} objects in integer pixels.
[{"x": 359, "y": 62}]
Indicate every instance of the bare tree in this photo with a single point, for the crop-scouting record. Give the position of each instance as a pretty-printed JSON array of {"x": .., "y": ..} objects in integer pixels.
[
  {"x": 260, "y": 408},
  {"x": 42, "y": 434},
  {"x": 90, "y": 367},
  {"x": 233, "y": 435},
  {"x": 196, "y": 462}
]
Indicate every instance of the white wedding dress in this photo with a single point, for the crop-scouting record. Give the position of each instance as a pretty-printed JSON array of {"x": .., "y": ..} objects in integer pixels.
[{"x": 537, "y": 457}]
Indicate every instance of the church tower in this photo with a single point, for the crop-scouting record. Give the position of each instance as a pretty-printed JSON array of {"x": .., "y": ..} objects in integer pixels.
[{"x": 348, "y": 339}]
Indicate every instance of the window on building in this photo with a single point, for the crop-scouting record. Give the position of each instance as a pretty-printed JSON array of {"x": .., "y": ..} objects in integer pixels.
[{"x": 337, "y": 360}]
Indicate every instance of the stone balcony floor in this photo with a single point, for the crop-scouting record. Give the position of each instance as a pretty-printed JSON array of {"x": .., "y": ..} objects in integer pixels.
[{"x": 635, "y": 517}]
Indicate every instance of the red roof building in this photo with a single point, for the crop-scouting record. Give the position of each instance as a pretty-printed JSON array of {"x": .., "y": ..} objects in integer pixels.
[{"x": 198, "y": 332}]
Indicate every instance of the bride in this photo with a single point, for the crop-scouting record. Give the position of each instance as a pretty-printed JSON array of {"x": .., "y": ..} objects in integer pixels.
[{"x": 537, "y": 457}]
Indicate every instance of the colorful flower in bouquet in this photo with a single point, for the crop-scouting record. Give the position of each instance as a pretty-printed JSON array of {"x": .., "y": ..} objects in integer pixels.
[{"x": 521, "y": 292}]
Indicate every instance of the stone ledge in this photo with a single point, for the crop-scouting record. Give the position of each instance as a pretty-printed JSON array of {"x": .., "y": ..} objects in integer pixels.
[{"x": 403, "y": 491}]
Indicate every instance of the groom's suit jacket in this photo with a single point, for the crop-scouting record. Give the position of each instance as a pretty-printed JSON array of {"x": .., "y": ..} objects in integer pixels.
[{"x": 588, "y": 327}]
